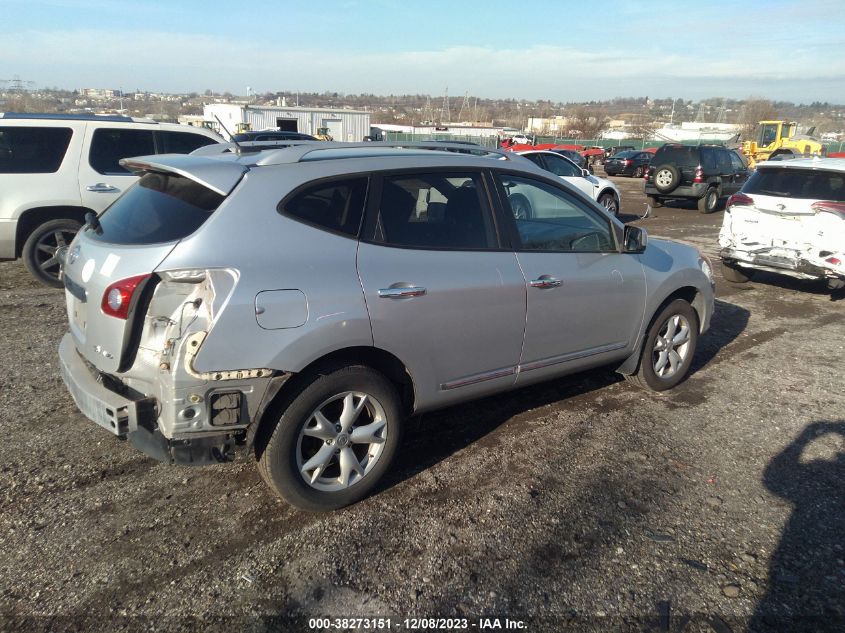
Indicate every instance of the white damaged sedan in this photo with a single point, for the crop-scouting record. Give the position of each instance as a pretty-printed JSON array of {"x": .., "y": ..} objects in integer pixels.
[{"x": 789, "y": 218}]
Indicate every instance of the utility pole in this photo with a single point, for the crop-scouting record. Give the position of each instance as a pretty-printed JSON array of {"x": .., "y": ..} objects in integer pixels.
[{"x": 444, "y": 112}]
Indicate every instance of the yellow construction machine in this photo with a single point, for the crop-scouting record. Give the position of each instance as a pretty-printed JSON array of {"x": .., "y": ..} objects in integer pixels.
[
  {"x": 323, "y": 134},
  {"x": 779, "y": 138}
]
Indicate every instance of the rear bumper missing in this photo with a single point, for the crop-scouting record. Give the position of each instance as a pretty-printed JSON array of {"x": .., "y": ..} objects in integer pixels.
[
  {"x": 134, "y": 417},
  {"x": 782, "y": 261}
]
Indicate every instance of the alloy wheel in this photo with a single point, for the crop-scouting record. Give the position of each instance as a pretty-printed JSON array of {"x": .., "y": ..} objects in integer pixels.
[
  {"x": 671, "y": 347},
  {"x": 341, "y": 441}
]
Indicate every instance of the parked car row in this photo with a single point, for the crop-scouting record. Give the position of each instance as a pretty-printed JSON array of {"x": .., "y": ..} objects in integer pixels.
[{"x": 296, "y": 300}]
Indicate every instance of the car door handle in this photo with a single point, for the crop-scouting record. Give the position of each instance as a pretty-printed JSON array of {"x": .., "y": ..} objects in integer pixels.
[
  {"x": 102, "y": 187},
  {"x": 545, "y": 282},
  {"x": 401, "y": 293}
]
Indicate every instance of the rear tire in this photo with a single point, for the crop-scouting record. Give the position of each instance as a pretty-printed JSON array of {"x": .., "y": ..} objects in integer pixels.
[
  {"x": 609, "y": 202},
  {"x": 39, "y": 250},
  {"x": 638, "y": 172},
  {"x": 668, "y": 347},
  {"x": 709, "y": 202},
  {"x": 735, "y": 274},
  {"x": 311, "y": 430},
  {"x": 520, "y": 207}
]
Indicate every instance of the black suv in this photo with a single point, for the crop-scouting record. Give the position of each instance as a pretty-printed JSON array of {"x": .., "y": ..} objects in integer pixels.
[{"x": 703, "y": 173}]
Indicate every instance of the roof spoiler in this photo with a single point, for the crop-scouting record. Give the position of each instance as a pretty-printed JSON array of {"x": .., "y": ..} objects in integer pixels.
[{"x": 219, "y": 176}]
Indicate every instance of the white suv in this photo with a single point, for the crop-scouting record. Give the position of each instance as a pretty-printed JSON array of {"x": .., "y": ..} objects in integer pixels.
[
  {"x": 55, "y": 168},
  {"x": 601, "y": 190},
  {"x": 789, "y": 218}
]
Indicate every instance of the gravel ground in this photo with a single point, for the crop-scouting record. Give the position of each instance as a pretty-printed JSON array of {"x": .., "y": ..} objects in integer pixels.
[{"x": 581, "y": 504}]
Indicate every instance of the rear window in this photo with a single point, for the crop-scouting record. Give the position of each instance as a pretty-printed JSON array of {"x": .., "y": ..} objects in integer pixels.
[
  {"x": 33, "y": 150},
  {"x": 626, "y": 154},
  {"x": 336, "y": 206},
  {"x": 677, "y": 155},
  {"x": 807, "y": 184},
  {"x": 159, "y": 208},
  {"x": 184, "y": 142},
  {"x": 109, "y": 145}
]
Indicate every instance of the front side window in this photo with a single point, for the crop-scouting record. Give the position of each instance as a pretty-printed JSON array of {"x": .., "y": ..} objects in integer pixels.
[
  {"x": 548, "y": 219},
  {"x": 336, "y": 205},
  {"x": 442, "y": 210},
  {"x": 559, "y": 166},
  {"x": 736, "y": 162},
  {"x": 33, "y": 150},
  {"x": 109, "y": 145}
]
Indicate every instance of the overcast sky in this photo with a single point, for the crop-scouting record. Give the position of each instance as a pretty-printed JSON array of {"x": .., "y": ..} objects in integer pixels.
[{"x": 535, "y": 49}]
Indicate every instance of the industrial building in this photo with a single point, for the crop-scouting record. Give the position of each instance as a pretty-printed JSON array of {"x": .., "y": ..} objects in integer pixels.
[{"x": 342, "y": 124}]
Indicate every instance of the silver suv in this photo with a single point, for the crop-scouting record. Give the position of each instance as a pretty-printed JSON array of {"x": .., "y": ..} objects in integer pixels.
[
  {"x": 55, "y": 168},
  {"x": 299, "y": 304}
]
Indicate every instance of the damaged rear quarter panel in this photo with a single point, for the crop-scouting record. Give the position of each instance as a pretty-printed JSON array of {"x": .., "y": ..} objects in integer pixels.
[{"x": 272, "y": 252}]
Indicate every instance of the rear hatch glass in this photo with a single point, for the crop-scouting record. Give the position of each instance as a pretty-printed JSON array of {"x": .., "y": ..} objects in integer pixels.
[
  {"x": 680, "y": 155},
  {"x": 160, "y": 208},
  {"x": 802, "y": 184}
]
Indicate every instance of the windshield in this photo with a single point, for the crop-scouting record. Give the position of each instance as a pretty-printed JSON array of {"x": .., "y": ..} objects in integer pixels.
[
  {"x": 159, "y": 208},
  {"x": 805, "y": 184}
]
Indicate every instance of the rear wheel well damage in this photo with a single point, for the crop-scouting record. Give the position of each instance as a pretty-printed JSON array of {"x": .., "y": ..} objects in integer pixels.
[
  {"x": 689, "y": 294},
  {"x": 288, "y": 386},
  {"x": 31, "y": 219}
]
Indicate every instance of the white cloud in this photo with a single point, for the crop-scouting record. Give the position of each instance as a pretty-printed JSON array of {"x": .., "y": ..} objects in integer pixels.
[{"x": 175, "y": 62}]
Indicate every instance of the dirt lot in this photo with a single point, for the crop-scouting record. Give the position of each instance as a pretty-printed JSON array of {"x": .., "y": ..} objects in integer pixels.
[{"x": 583, "y": 504}]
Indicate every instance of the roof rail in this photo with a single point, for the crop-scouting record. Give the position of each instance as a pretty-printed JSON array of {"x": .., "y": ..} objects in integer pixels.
[{"x": 298, "y": 151}]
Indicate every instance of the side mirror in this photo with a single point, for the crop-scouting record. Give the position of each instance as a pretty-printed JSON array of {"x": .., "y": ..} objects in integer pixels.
[{"x": 635, "y": 239}]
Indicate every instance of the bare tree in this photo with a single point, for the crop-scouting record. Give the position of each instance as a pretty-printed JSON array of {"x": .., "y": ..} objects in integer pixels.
[
  {"x": 585, "y": 122},
  {"x": 753, "y": 111}
]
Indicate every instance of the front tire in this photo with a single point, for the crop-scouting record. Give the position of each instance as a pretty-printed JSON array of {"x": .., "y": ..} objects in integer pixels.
[
  {"x": 334, "y": 440},
  {"x": 39, "y": 250},
  {"x": 638, "y": 172},
  {"x": 653, "y": 202},
  {"x": 668, "y": 347}
]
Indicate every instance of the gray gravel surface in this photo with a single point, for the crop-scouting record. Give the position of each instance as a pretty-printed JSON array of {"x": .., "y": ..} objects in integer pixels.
[{"x": 580, "y": 504}]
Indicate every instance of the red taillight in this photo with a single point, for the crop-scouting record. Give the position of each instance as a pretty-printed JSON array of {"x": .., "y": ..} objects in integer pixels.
[
  {"x": 628, "y": 162},
  {"x": 118, "y": 297},
  {"x": 739, "y": 200},
  {"x": 837, "y": 208},
  {"x": 699, "y": 174},
  {"x": 834, "y": 260}
]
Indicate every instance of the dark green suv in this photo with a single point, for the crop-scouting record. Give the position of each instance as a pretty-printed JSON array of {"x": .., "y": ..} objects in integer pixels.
[{"x": 704, "y": 173}]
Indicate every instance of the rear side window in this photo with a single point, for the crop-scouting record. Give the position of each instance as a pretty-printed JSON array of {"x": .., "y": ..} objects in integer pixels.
[
  {"x": 336, "y": 206},
  {"x": 33, "y": 150},
  {"x": 681, "y": 155},
  {"x": 109, "y": 145},
  {"x": 443, "y": 210},
  {"x": 183, "y": 142},
  {"x": 806, "y": 184},
  {"x": 159, "y": 208}
]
